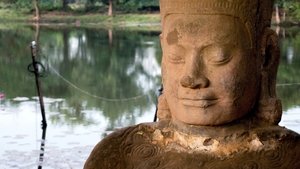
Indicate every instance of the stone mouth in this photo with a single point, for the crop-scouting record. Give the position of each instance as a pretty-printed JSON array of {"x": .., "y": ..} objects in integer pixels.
[
  {"x": 198, "y": 102},
  {"x": 197, "y": 99}
]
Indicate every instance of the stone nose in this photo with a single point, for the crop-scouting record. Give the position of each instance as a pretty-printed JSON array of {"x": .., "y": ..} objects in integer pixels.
[
  {"x": 194, "y": 82},
  {"x": 194, "y": 75}
]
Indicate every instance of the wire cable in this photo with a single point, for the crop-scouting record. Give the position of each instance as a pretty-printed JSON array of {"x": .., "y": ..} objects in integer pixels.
[{"x": 95, "y": 96}]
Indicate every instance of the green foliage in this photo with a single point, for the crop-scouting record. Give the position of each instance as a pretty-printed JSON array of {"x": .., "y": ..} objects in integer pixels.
[
  {"x": 8, "y": 1},
  {"x": 294, "y": 9},
  {"x": 50, "y": 5},
  {"x": 27, "y": 4},
  {"x": 5, "y": 5},
  {"x": 137, "y": 5},
  {"x": 126, "y": 6},
  {"x": 122, "y": 6},
  {"x": 291, "y": 7}
]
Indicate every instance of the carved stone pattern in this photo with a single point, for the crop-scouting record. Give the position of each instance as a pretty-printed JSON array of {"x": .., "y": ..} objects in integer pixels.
[{"x": 136, "y": 150}]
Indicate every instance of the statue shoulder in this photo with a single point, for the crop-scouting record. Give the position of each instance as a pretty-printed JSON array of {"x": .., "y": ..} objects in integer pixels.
[
  {"x": 110, "y": 152},
  {"x": 281, "y": 147},
  {"x": 279, "y": 133}
]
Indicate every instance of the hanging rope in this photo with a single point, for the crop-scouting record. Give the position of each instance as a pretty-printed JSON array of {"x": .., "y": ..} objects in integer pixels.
[{"x": 95, "y": 96}]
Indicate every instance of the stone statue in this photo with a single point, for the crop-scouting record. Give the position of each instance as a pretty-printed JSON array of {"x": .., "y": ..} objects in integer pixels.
[{"x": 219, "y": 107}]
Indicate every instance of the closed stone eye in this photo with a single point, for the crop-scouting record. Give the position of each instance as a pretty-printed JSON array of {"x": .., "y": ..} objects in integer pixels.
[
  {"x": 174, "y": 58},
  {"x": 217, "y": 56},
  {"x": 176, "y": 54},
  {"x": 220, "y": 59}
]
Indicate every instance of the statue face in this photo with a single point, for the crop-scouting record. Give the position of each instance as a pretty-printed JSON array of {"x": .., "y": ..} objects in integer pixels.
[{"x": 210, "y": 73}]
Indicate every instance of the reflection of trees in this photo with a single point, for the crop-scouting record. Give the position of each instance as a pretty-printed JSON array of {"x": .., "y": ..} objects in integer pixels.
[
  {"x": 289, "y": 68},
  {"x": 107, "y": 67},
  {"x": 14, "y": 58},
  {"x": 69, "y": 114},
  {"x": 289, "y": 95},
  {"x": 93, "y": 67},
  {"x": 100, "y": 66}
]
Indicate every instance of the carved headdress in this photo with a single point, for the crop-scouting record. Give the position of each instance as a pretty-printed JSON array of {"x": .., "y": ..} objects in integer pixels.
[{"x": 251, "y": 12}]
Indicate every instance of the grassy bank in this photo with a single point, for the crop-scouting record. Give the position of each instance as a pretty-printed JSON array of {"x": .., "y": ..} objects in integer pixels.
[
  {"x": 104, "y": 20},
  {"x": 13, "y": 16},
  {"x": 91, "y": 19}
]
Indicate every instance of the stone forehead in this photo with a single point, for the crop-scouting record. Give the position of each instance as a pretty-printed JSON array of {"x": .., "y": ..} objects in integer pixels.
[
  {"x": 254, "y": 14},
  {"x": 219, "y": 28}
]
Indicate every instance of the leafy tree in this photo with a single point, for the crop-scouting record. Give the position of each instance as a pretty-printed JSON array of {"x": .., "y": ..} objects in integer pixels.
[
  {"x": 110, "y": 7},
  {"x": 289, "y": 7},
  {"x": 87, "y": 5},
  {"x": 132, "y": 5}
]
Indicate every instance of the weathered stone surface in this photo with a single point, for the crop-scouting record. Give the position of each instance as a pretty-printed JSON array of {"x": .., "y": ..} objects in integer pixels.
[
  {"x": 149, "y": 146},
  {"x": 219, "y": 107}
]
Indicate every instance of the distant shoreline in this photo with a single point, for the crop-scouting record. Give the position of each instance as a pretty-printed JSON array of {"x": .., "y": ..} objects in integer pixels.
[
  {"x": 56, "y": 18},
  {"x": 92, "y": 19}
]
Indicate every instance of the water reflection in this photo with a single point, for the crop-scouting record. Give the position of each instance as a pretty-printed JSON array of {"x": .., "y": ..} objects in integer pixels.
[
  {"x": 288, "y": 80},
  {"x": 94, "y": 65},
  {"x": 90, "y": 72},
  {"x": 289, "y": 68}
]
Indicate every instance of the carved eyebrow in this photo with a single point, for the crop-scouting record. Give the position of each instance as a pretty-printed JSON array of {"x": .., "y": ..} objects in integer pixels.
[
  {"x": 176, "y": 49},
  {"x": 224, "y": 38}
]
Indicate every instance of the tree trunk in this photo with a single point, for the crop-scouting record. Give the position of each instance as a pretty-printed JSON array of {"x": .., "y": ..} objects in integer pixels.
[
  {"x": 277, "y": 17},
  {"x": 64, "y": 4},
  {"x": 37, "y": 36},
  {"x": 110, "y": 8},
  {"x": 37, "y": 10}
]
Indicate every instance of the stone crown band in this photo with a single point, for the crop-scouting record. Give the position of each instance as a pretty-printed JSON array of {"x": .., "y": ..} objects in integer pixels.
[{"x": 243, "y": 9}]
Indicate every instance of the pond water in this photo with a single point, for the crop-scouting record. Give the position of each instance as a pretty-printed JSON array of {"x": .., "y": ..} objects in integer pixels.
[{"x": 96, "y": 80}]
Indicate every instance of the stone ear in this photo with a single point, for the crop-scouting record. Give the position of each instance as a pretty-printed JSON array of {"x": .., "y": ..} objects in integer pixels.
[
  {"x": 270, "y": 51},
  {"x": 161, "y": 40},
  {"x": 270, "y": 109},
  {"x": 163, "y": 111}
]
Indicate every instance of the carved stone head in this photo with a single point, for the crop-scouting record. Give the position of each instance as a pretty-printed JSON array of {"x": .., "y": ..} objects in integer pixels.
[{"x": 219, "y": 63}]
